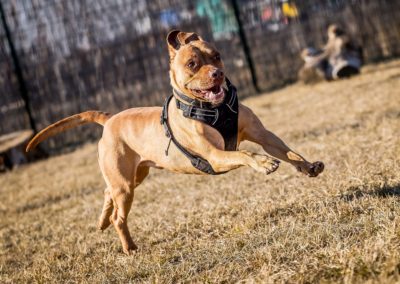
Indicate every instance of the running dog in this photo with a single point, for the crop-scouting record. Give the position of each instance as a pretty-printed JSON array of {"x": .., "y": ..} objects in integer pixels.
[{"x": 196, "y": 132}]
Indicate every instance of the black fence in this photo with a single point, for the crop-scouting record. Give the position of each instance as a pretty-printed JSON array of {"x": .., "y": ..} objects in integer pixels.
[{"x": 75, "y": 55}]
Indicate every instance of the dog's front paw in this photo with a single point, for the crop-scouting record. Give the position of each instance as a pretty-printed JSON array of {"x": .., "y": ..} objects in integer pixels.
[
  {"x": 266, "y": 164},
  {"x": 312, "y": 169},
  {"x": 316, "y": 168}
]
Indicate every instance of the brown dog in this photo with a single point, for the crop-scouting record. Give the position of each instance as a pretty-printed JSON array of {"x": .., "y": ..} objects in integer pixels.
[{"x": 134, "y": 140}]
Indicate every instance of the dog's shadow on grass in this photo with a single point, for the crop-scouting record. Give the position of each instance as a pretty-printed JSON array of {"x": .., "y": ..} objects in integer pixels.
[{"x": 357, "y": 192}]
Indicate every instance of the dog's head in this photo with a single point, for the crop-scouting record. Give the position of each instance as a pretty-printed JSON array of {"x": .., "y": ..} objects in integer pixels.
[
  {"x": 335, "y": 31},
  {"x": 196, "y": 68}
]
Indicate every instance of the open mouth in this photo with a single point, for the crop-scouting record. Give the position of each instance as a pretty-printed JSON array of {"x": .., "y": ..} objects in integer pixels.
[{"x": 214, "y": 94}]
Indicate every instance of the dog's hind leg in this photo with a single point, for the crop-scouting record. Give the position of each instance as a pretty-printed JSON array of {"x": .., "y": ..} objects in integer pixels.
[
  {"x": 119, "y": 166},
  {"x": 122, "y": 205},
  {"x": 104, "y": 220},
  {"x": 122, "y": 202}
]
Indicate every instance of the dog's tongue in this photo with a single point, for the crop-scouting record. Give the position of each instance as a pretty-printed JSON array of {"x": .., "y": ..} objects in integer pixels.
[{"x": 214, "y": 94}]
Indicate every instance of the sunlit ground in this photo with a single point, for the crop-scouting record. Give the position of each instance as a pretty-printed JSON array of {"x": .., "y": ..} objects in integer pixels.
[{"x": 341, "y": 226}]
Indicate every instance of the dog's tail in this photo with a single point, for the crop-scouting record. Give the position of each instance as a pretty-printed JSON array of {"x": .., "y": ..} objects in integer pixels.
[{"x": 68, "y": 123}]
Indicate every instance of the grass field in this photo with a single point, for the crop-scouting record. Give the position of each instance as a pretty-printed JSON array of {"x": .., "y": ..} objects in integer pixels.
[{"x": 343, "y": 226}]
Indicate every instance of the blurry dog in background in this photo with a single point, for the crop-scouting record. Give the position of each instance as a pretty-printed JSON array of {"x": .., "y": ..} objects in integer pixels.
[{"x": 340, "y": 58}]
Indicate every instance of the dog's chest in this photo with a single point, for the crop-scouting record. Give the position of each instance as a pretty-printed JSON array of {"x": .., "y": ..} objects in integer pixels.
[{"x": 223, "y": 118}]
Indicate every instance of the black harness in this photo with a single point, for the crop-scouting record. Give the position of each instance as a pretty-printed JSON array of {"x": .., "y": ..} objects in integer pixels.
[{"x": 224, "y": 118}]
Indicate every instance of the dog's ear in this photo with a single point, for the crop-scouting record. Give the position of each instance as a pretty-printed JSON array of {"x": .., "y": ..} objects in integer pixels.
[
  {"x": 172, "y": 40},
  {"x": 185, "y": 38},
  {"x": 176, "y": 39}
]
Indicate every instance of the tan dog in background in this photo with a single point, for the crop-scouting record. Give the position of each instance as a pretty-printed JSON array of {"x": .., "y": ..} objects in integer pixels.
[
  {"x": 341, "y": 57},
  {"x": 134, "y": 140}
]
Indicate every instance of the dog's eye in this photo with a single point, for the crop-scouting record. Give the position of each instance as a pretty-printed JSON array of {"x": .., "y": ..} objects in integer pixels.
[
  {"x": 191, "y": 64},
  {"x": 217, "y": 57}
]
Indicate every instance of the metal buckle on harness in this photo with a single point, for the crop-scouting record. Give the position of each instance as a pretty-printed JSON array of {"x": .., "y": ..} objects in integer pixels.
[
  {"x": 188, "y": 113},
  {"x": 186, "y": 110}
]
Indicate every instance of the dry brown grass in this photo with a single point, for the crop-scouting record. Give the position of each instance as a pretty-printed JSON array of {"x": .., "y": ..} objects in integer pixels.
[{"x": 343, "y": 226}]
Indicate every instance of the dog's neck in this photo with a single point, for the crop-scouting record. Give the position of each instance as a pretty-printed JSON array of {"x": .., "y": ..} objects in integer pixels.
[{"x": 224, "y": 118}]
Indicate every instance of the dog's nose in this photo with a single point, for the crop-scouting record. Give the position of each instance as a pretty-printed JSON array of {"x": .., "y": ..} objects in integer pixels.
[{"x": 217, "y": 74}]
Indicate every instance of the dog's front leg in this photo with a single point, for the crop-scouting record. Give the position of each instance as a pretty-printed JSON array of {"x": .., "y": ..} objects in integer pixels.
[
  {"x": 223, "y": 161},
  {"x": 254, "y": 131}
]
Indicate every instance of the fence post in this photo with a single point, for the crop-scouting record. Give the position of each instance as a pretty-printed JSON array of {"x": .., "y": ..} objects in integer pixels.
[
  {"x": 246, "y": 49},
  {"x": 18, "y": 71}
]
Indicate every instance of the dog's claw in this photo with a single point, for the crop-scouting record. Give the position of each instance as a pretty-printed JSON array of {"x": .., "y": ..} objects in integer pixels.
[
  {"x": 131, "y": 250},
  {"x": 273, "y": 166},
  {"x": 316, "y": 168},
  {"x": 311, "y": 169},
  {"x": 264, "y": 164}
]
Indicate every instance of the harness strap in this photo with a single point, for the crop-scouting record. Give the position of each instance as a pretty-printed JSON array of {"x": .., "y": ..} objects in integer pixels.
[
  {"x": 190, "y": 111},
  {"x": 197, "y": 162}
]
